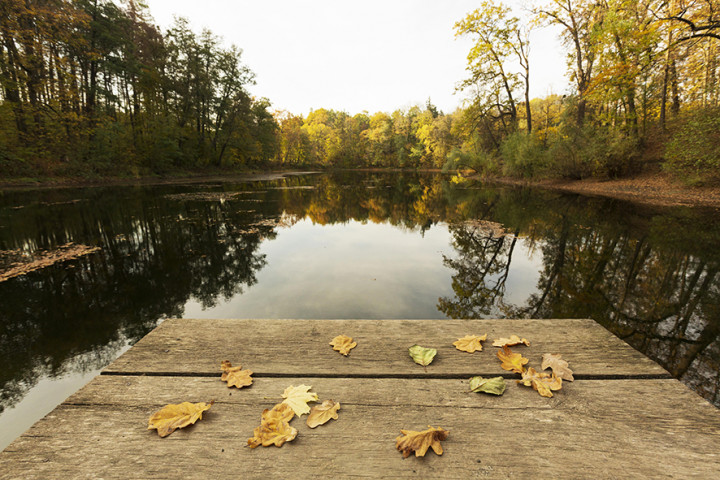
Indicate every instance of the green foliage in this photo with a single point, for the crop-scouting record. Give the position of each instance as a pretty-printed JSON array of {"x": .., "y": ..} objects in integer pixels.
[
  {"x": 92, "y": 87},
  {"x": 523, "y": 155},
  {"x": 693, "y": 152},
  {"x": 578, "y": 153}
]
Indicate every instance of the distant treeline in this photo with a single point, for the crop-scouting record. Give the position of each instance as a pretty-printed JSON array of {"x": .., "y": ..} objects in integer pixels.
[
  {"x": 646, "y": 78},
  {"x": 91, "y": 87}
]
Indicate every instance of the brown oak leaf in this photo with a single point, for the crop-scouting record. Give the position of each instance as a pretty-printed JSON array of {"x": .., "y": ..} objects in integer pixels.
[
  {"x": 558, "y": 365},
  {"x": 542, "y": 382},
  {"x": 470, "y": 343},
  {"x": 274, "y": 427},
  {"x": 235, "y": 376},
  {"x": 323, "y": 413},
  {"x": 419, "y": 442},
  {"x": 510, "y": 342},
  {"x": 513, "y": 362},
  {"x": 174, "y": 416},
  {"x": 343, "y": 344}
]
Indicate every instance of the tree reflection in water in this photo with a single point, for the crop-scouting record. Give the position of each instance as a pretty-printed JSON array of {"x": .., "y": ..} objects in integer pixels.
[{"x": 649, "y": 275}]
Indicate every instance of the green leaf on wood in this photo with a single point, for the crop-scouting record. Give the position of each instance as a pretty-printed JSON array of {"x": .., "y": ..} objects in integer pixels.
[
  {"x": 495, "y": 385},
  {"x": 421, "y": 355}
]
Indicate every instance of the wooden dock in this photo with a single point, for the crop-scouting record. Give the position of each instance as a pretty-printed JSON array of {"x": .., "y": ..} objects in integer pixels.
[{"x": 622, "y": 417}]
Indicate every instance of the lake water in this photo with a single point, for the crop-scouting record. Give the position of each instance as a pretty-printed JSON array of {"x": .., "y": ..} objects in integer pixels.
[{"x": 349, "y": 245}]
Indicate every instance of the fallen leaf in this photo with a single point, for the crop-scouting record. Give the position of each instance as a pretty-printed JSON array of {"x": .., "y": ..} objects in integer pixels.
[
  {"x": 343, "y": 344},
  {"x": 511, "y": 361},
  {"x": 495, "y": 385},
  {"x": 298, "y": 397},
  {"x": 235, "y": 376},
  {"x": 421, "y": 355},
  {"x": 274, "y": 427},
  {"x": 470, "y": 343},
  {"x": 542, "y": 382},
  {"x": 323, "y": 413},
  {"x": 558, "y": 365},
  {"x": 510, "y": 342},
  {"x": 419, "y": 442},
  {"x": 174, "y": 416}
]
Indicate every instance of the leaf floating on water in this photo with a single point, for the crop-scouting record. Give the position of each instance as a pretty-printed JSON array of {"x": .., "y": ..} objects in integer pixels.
[
  {"x": 343, "y": 344},
  {"x": 558, "y": 365},
  {"x": 174, "y": 416},
  {"x": 470, "y": 343},
  {"x": 510, "y": 342},
  {"x": 495, "y": 385},
  {"x": 274, "y": 427},
  {"x": 411, "y": 441},
  {"x": 298, "y": 397},
  {"x": 323, "y": 413},
  {"x": 513, "y": 362},
  {"x": 542, "y": 382},
  {"x": 235, "y": 376},
  {"x": 421, "y": 355}
]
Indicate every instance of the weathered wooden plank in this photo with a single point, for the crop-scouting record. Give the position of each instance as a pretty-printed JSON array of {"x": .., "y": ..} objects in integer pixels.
[
  {"x": 591, "y": 429},
  {"x": 300, "y": 347}
]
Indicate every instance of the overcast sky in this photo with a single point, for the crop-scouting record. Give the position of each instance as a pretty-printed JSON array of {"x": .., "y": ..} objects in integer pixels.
[{"x": 354, "y": 55}]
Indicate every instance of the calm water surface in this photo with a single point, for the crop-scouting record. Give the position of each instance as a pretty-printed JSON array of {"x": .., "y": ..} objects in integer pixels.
[{"x": 375, "y": 245}]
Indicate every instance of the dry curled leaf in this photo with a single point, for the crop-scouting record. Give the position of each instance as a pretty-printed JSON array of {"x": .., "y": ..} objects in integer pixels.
[
  {"x": 495, "y": 385},
  {"x": 421, "y": 355},
  {"x": 513, "y": 362},
  {"x": 323, "y": 413},
  {"x": 174, "y": 416},
  {"x": 235, "y": 376},
  {"x": 298, "y": 397},
  {"x": 470, "y": 343},
  {"x": 419, "y": 442},
  {"x": 343, "y": 344},
  {"x": 510, "y": 342},
  {"x": 558, "y": 365},
  {"x": 274, "y": 427},
  {"x": 542, "y": 382}
]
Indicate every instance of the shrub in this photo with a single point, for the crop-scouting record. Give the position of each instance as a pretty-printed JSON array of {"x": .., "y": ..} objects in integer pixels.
[
  {"x": 524, "y": 155},
  {"x": 693, "y": 152}
]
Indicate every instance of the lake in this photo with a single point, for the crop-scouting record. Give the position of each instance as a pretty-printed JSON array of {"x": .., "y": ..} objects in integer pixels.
[{"x": 343, "y": 245}]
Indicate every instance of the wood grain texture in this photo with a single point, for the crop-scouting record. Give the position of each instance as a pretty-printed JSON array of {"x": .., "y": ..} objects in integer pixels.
[
  {"x": 590, "y": 429},
  {"x": 301, "y": 347}
]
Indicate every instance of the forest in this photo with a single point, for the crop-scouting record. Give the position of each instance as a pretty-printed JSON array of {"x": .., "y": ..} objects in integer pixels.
[{"x": 93, "y": 88}]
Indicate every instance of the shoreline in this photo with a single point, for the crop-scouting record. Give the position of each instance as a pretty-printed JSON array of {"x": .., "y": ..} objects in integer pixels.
[{"x": 650, "y": 188}]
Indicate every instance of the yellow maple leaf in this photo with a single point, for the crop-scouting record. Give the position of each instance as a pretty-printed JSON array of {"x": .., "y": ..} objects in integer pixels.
[
  {"x": 343, "y": 344},
  {"x": 510, "y": 342},
  {"x": 542, "y": 382},
  {"x": 513, "y": 362},
  {"x": 235, "y": 376},
  {"x": 323, "y": 413},
  {"x": 298, "y": 397},
  {"x": 419, "y": 442},
  {"x": 174, "y": 416},
  {"x": 470, "y": 343},
  {"x": 274, "y": 427},
  {"x": 559, "y": 366}
]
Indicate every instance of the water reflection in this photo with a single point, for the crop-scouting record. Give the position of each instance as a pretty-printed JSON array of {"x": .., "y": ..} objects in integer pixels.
[{"x": 649, "y": 275}]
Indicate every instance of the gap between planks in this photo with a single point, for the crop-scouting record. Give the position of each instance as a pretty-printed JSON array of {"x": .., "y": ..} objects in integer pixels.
[{"x": 440, "y": 376}]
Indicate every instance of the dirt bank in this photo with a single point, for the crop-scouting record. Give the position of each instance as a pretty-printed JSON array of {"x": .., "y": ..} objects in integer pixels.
[{"x": 653, "y": 189}]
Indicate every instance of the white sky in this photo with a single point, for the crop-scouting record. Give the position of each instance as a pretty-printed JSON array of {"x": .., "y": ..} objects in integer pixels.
[{"x": 355, "y": 55}]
